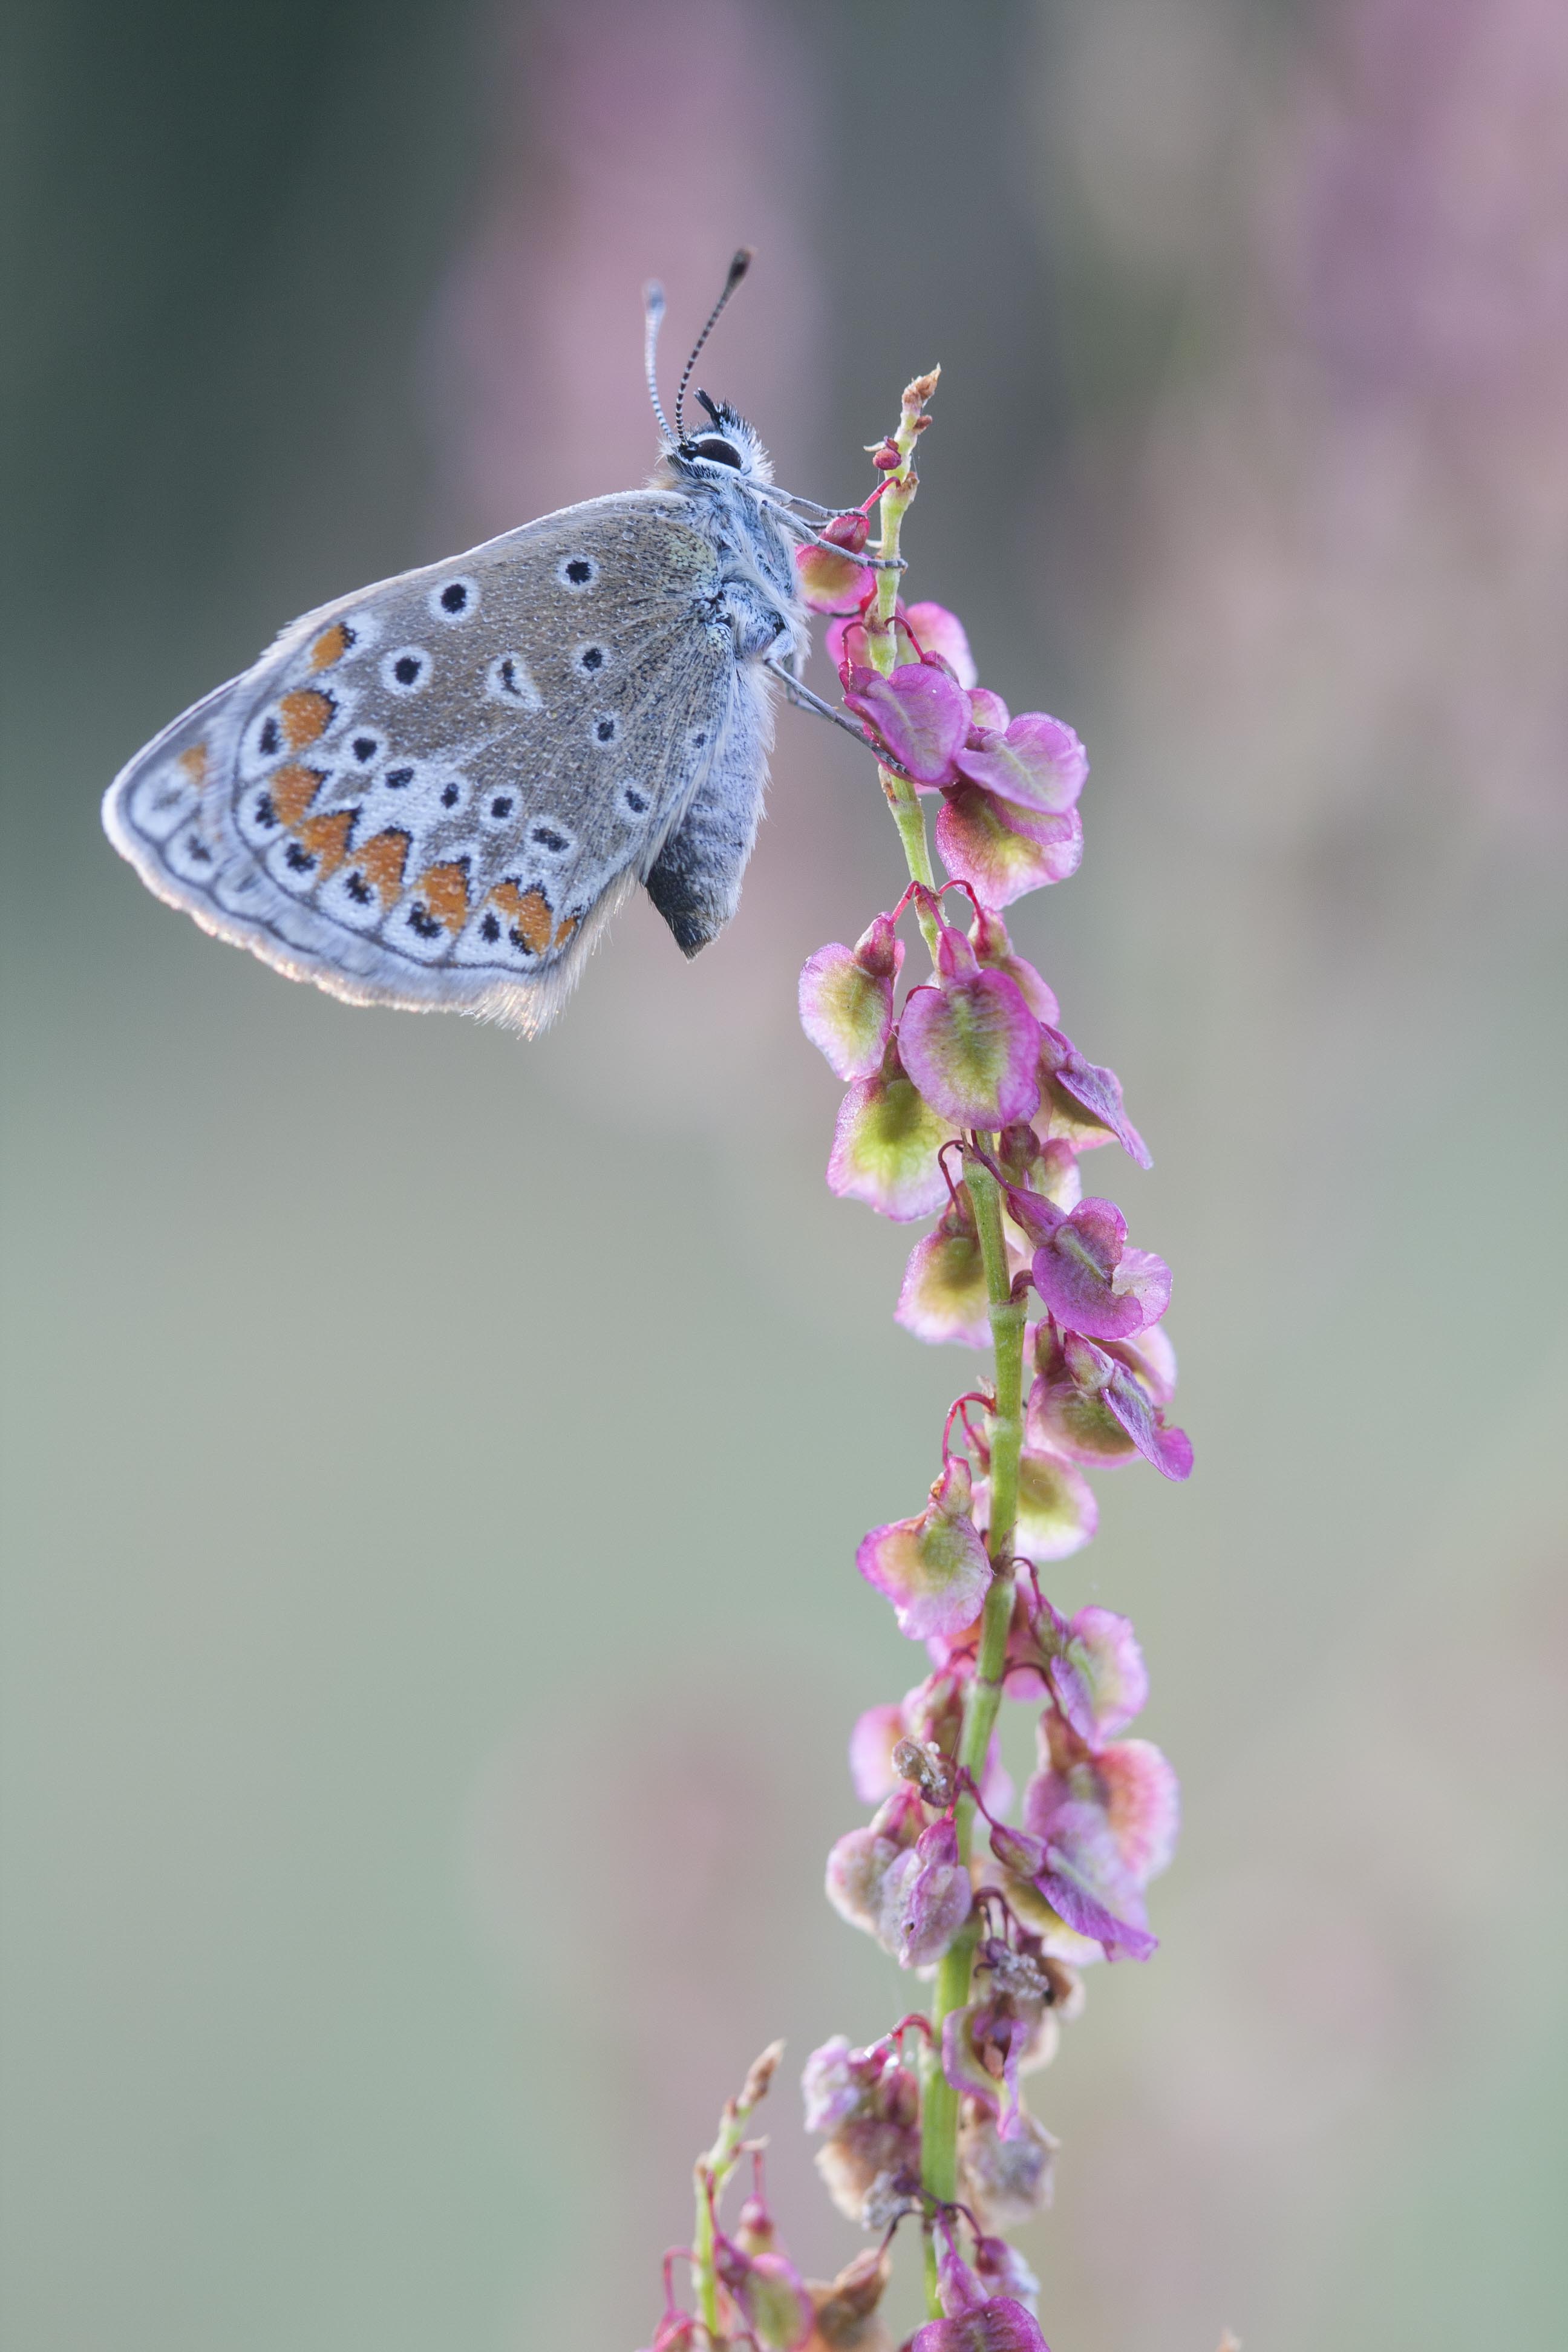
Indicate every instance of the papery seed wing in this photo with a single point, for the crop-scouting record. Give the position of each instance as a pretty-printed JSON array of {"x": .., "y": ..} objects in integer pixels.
[{"x": 432, "y": 793}]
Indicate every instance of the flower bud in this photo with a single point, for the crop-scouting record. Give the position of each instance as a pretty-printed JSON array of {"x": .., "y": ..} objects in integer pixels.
[
  {"x": 1002, "y": 2269},
  {"x": 768, "y": 2292},
  {"x": 989, "y": 2323},
  {"x": 846, "y": 999},
  {"x": 833, "y": 582},
  {"x": 993, "y": 947},
  {"x": 677, "y": 2332}
]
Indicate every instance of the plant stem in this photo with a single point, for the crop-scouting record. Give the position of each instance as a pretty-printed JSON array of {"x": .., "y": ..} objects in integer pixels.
[
  {"x": 713, "y": 2171},
  {"x": 902, "y": 799},
  {"x": 939, "y": 2101},
  {"x": 938, "y": 2114}
]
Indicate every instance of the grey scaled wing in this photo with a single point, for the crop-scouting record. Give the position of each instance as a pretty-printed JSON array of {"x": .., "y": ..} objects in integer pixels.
[{"x": 432, "y": 794}]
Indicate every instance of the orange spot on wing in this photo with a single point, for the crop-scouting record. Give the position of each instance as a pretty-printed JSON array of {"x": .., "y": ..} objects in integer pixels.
[
  {"x": 292, "y": 790},
  {"x": 563, "y": 931},
  {"x": 528, "y": 912},
  {"x": 331, "y": 646},
  {"x": 328, "y": 838},
  {"x": 194, "y": 760},
  {"x": 382, "y": 861},
  {"x": 445, "y": 890},
  {"x": 305, "y": 716}
]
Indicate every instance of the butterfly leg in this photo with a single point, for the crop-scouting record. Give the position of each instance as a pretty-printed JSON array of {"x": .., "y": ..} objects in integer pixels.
[
  {"x": 811, "y": 537},
  {"x": 804, "y": 699}
]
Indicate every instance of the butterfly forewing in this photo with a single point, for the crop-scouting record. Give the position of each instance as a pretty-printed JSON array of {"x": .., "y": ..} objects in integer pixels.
[{"x": 434, "y": 791}]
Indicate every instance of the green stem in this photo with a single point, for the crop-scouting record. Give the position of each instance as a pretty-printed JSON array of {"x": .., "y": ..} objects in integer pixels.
[
  {"x": 902, "y": 799},
  {"x": 939, "y": 2101},
  {"x": 713, "y": 2171},
  {"x": 939, "y": 2117}
]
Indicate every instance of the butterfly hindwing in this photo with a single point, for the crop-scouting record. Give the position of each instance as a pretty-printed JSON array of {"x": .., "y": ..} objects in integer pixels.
[{"x": 432, "y": 793}]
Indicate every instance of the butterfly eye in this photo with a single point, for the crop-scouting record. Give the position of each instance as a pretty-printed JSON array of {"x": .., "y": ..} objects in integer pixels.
[{"x": 714, "y": 445}]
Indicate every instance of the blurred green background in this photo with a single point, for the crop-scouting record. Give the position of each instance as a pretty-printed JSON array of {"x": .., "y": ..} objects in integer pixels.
[{"x": 434, "y": 1463}]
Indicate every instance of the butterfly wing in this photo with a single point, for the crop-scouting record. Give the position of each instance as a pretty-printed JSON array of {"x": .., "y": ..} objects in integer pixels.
[{"x": 433, "y": 793}]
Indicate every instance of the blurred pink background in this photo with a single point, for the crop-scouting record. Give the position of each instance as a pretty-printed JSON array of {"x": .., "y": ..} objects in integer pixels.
[{"x": 435, "y": 1464}]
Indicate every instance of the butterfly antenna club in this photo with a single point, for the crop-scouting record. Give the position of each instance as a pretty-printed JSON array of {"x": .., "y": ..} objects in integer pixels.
[
  {"x": 738, "y": 268},
  {"x": 652, "y": 317}
]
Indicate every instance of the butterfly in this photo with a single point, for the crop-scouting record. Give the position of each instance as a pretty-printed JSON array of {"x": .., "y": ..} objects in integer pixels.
[{"x": 433, "y": 794}]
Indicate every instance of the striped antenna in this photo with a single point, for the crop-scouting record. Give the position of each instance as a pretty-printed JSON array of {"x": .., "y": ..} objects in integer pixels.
[{"x": 738, "y": 268}]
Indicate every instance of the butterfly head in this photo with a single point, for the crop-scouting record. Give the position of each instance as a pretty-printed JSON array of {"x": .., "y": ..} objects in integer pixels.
[{"x": 726, "y": 446}]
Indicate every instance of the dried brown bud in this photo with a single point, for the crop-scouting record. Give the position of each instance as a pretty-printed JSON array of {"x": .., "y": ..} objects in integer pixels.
[
  {"x": 845, "y": 2307},
  {"x": 920, "y": 391},
  {"x": 755, "y": 2088}
]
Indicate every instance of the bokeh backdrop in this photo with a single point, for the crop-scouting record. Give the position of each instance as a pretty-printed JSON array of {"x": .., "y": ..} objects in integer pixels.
[{"x": 434, "y": 1463}]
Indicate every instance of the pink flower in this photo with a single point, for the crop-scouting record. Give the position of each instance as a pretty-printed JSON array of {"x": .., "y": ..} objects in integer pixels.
[
  {"x": 974, "y": 2320},
  {"x": 870, "y": 2106},
  {"x": 1104, "y": 1405},
  {"x": 1008, "y": 2181},
  {"x": 885, "y": 1147},
  {"x": 993, "y": 948},
  {"x": 932, "y": 1569},
  {"x": 1085, "y": 1100},
  {"x": 932, "y": 1715},
  {"x": 941, "y": 633},
  {"x": 943, "y": 1295},
  {"x": 1057, "y": 1514},
  {"x": 871, "y": 1744},
  {"x": 859, "y": 1862},
  {"x": 1088, "y": 1278},
  {"x": 1034, "y": 763},
  {"x": 927, "y": 1897},
  {"x": 1003, "y": 851},
  {"x": 1104, "y": 1823},
  {"x": 1002, "y": 2269},
  {"x": 846, "y": 999},
  {"x": 919, "y": 715},
  {"x": 768, "y": 2292},
  {"x": 1097, "y": 1672},
  {"x": 983, "y": 2049},
  {"x": 970, "y": 1044},
  {"x": 848, "y": 641}
]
